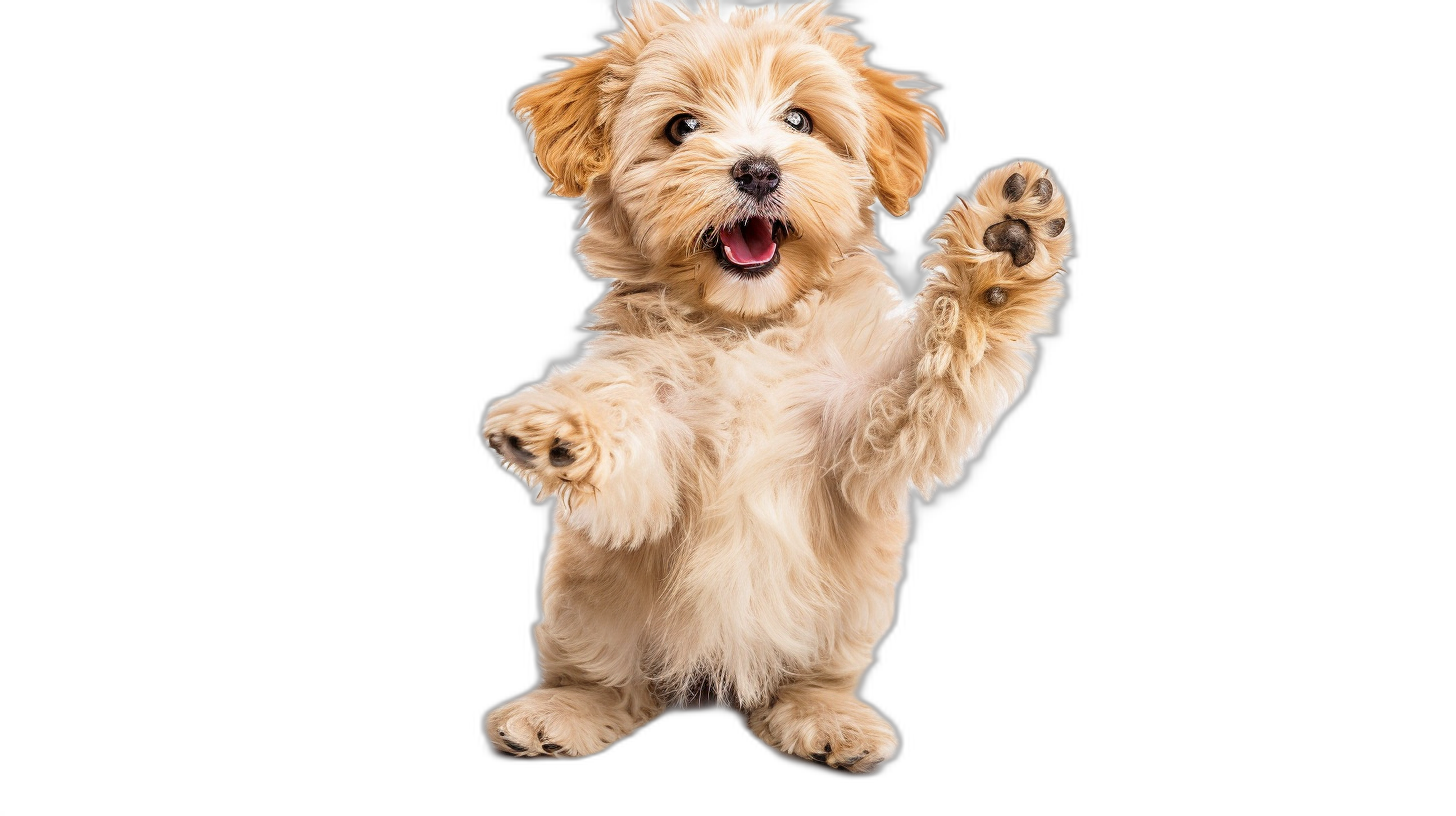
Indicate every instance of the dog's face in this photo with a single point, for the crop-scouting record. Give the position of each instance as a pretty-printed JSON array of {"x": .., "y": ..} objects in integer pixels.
[{"x": 731, "y": 160}]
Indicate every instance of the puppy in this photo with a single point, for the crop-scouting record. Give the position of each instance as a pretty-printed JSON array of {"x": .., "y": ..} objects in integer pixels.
[{"x": 732, "y": 455}]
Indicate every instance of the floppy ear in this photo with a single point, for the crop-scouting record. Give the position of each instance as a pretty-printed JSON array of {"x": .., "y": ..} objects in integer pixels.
[
  {"x": 899, "y": 147},
  {"x": 566, "y": 120}
]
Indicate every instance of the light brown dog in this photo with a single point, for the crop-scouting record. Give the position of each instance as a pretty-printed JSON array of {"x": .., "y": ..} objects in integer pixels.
[{"x": 732, "y": 454}]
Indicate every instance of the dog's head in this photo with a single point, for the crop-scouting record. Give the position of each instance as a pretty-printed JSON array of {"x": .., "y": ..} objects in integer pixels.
[{"x": 731, "y": 160}]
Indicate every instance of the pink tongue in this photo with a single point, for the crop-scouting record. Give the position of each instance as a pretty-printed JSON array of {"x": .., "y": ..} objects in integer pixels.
[{"x": 751, "y": 243}]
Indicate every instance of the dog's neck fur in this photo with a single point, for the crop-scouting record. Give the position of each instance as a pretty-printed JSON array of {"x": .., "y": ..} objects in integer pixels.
[{"x": 653, "y": 310}]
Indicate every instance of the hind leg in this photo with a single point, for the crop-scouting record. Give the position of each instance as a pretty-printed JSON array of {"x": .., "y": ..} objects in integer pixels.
[
  {"x": 573, "y": 720},
  {"x": 822, "y": 720}
]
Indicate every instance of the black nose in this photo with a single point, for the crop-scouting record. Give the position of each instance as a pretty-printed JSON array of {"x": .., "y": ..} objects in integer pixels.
[{"x": 757, "y": 175}]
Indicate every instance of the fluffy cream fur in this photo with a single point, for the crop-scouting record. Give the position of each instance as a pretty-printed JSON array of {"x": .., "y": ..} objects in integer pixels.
[{"x": 732, "y": 454}]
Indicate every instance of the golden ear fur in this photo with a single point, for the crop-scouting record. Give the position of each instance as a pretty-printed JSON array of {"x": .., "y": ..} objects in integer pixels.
[
  {"x": 898, "y": 150},
  {"x": 568, "y": 113},
  {"x": 899, "y": 146},
  {"x": 567, "y": 123}
]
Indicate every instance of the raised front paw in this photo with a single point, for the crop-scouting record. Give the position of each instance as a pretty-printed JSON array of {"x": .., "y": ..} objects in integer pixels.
[
  {"x": 545, "y": 438},
  {"x": 1025, "y": 217},
  {"x": 517, "y": 451}
]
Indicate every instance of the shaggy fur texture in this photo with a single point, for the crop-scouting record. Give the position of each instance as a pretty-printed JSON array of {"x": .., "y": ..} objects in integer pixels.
[{"x": 732, "y": 454}]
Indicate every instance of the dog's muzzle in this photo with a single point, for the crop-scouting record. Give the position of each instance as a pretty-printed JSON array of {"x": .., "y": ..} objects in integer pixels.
[{"x": 749, "y": 248}]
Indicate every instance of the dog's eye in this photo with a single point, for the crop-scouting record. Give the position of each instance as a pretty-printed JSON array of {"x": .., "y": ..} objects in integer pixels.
[
  {"x": 678, "y": 127},
  {"x": 799, "y": 120}
]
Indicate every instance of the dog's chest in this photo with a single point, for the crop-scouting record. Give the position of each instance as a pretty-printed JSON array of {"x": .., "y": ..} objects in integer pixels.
[
  {"x": 764, "y": 409},
  {"x": 764, "y": 435},
  {"x": 748, "y": 587}
]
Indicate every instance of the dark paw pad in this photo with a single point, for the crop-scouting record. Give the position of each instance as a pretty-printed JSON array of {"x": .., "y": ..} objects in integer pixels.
[
  {"x": 1041, "y": 191},
  {"x": 561, "y": 454},
  {"x": 1055, "y": 226},
  {"x": 510, "y": 447},
  {"x": 1014, "y": 187},
  {"x": 1013, "y": 236},
  {"x": 996, "y": 296}
]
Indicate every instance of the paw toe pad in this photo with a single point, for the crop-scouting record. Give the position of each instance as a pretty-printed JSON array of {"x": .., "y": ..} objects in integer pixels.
[
  {"x": 561, "y": 454},
  {"x": 1041, "y": 191},
  {"x": 1014, "y": 188}
]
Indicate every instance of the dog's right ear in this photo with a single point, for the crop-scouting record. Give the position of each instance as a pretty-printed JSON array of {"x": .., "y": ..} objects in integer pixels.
[
  {"x": 567, "y": 122},
  {"x": 568, "y": 113}
]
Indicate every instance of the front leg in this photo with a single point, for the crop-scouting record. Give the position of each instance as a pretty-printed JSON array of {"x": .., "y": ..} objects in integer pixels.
[
  {"x": 966, "y": 356},
  {"x": 545, "y": 438},
  {"x": 598, "y": 437}
]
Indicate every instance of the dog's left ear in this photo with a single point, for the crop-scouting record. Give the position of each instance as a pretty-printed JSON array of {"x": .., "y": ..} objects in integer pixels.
[
  {"x": 568, "y": 124},
  {"x": 899, "y": 145}
]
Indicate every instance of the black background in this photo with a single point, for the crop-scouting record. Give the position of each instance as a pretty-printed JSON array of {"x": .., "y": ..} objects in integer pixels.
[{"x": 1034, "y": 637}]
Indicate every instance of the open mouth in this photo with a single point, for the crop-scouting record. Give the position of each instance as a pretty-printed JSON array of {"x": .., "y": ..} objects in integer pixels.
[{"x": 749, "y": 248}]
